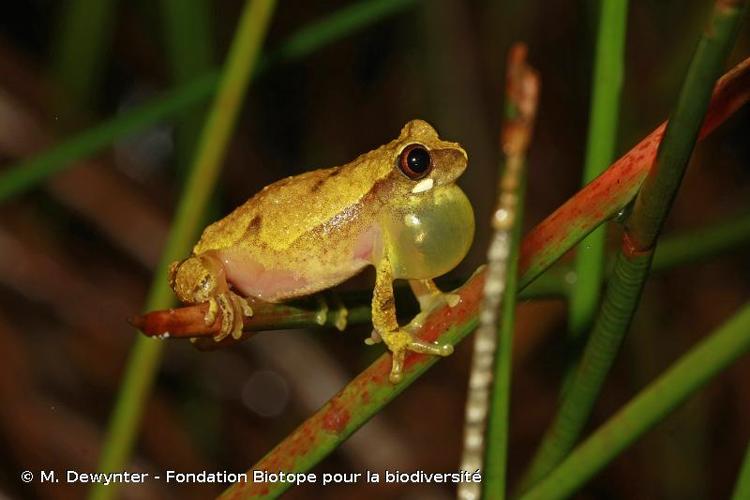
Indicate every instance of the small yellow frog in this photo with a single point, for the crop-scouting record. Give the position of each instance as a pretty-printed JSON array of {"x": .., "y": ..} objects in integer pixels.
[{"x": 396, "y": 208}]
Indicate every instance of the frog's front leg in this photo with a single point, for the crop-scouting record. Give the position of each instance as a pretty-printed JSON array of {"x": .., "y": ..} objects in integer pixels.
[
  {"x": 430, "y": 297},
  {"x": 398, "y": 340}
]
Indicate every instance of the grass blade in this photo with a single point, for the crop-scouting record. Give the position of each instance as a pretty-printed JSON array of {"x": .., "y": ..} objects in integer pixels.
[
  {"x": 686, "y": 376},
  {"x": 146, "y": 354},
  {"x": 522, "y": 101},
  {"x": 634, "y": 259},
  {"x": 29, "y": 173},
  {"x": 742, "y": 488},
  {"x": 609, "y": 68}
]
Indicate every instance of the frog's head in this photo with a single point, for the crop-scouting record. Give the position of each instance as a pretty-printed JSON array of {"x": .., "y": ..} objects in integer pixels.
[
  {"x": 425, "y": 160},
  {"x": 428, "y": 220},
  {"x": 196, "y": 279}
]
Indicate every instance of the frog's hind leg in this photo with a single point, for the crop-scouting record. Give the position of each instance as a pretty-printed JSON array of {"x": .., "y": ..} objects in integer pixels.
[
  {"x": 398, "y": 340},
  {"x": 233, "y": 311}
]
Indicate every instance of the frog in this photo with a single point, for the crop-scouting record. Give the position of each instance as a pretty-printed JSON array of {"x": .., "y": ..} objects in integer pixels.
[{"x": 396, "y": 208}]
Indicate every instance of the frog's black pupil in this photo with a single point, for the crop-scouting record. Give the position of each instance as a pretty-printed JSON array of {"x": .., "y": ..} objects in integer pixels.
[{"x": 418, "y": 160}]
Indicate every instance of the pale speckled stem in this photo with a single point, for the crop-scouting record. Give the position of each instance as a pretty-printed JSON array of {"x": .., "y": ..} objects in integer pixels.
[{"x": 522, "y": 94}]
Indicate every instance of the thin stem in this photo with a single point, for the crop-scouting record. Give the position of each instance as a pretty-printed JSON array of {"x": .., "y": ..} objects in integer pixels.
[
  {"x": 189, "y": 45},
  {"x": 660, "y": 188},
  {"x": 359, "y": 400},
  {"x": 615, "y": 188},
  {"x": 742, "y": 486},
  {"x": 686, "y": 376},
  {"x": 146, "y": 354},
  {"x": 33, "y": 171},
  {"x": 27, "y": 174},
  {"x": 83, "y": 41},
  {"x": 522, "y": 98},
  {"x": 697, "y": 244},
  {"x": 620, "y": 300},
  {"x": 609, "y": 68},
  {"x": 633, "y": 262},
  {"x": 370, "y": 391},
  {"x": 336, "y": 26}
]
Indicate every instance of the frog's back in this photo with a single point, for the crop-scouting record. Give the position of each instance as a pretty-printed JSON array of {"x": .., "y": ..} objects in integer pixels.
[{"x": 290, "y": 208}]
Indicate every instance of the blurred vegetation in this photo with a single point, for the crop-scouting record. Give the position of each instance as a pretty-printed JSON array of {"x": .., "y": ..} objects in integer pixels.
[{"x": 82, "y": 235}]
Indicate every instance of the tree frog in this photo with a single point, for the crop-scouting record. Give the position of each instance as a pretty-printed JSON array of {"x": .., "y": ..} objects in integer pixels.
[{"x": 397, "y": 208}]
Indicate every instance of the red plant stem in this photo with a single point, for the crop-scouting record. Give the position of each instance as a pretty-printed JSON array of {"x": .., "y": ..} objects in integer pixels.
[
  {"x": 543, "y": 245},
  {"x": 370, "y": 390},
  {"x": 603, "y": 197}
]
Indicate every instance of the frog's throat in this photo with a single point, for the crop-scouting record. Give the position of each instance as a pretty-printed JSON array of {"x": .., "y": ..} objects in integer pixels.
[{"x": 430, "y": 235}]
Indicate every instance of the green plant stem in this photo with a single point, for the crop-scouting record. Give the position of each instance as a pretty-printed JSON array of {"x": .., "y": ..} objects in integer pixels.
[
  {"x": 674, "y": 250},
  {"x": 189, "y": 45},
  {"x": 617, "y": 186},
  {"x": 336, "y": 26},
  {"x": 360, "y": 399},
  {"x": 660, "y": 188},
  {"x": 496, "y": 469},
  {"x": 742, "y": 486},
  {"x": 642, "y": 229},
  {"x": 697, "y": 244},
  {"x": 83, "y": 41},
  {"x": 27, "y": 174},
  {"x": 146, "y": 354},
  {"x": 370, "y": 391},
  {"x": 609, "y": 68},
  {"x": 493, "y": 340},
  {"x": 649, "y": 407},
  {"x": 620, "y": 300}
]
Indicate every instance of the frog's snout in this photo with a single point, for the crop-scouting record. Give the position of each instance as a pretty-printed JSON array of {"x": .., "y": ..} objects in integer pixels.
[{"x": 450, "y": 163}]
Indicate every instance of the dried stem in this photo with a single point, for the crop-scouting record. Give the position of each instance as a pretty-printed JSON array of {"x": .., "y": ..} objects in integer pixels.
[{"x": 522, "y": 94}]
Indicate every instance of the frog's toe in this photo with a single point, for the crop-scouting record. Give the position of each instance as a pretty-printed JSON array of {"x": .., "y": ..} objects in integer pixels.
[
  {"x": 246, "y": 309},
  {"x": 227, "y": 317},
  {"x": 374, "y": 338},
  {"x": 213, "y": 310},
  {"x": 397, "y": 366},
  {"x": 437, "y": 300},
  {"x": 401, "y": 341},
  {"x": 452, "y": 299},
  {"x": 241, "y": 309},
  {"x": 233, "y": 311},
  {"x": 434, "y": 348}
]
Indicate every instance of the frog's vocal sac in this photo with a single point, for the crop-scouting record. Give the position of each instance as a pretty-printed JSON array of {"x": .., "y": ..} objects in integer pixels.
[{"x": 397, "y": 208}]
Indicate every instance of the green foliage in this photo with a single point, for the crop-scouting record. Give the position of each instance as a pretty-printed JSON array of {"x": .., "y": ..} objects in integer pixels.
[
  {"x": 634, "y": 260},
  {"x": 609, "y": 69},
  {"x": 146, "y": 354}
]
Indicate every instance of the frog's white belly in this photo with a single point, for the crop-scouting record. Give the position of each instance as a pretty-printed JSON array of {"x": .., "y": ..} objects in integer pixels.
[{"x": 274, "y": 278}]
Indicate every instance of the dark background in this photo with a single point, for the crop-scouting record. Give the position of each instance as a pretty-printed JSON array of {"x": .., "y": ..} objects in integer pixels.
[{"x": 77, "y": 255}]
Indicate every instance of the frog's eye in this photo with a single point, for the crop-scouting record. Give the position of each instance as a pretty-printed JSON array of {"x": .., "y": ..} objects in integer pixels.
[{"x": 415, "y": 161}]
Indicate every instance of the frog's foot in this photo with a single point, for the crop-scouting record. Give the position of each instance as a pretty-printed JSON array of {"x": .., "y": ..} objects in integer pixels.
[
  {"x": 341, "y": 313},
  {"x": 401, "y": 341},
  {"x": 374, "y": 338},
  {"x": 233, "y": 311},
  {"x": 430, "y": 297},
  {"x": 427, "y": 304}
]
